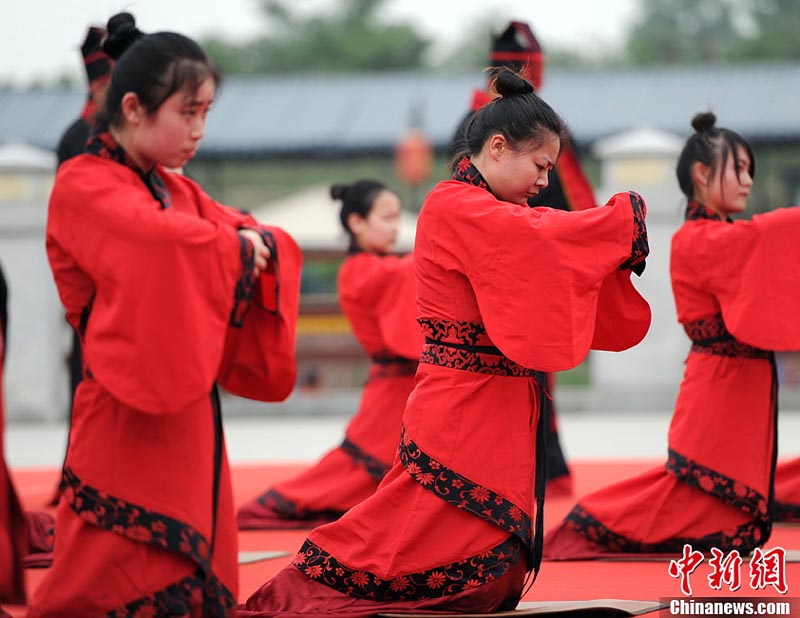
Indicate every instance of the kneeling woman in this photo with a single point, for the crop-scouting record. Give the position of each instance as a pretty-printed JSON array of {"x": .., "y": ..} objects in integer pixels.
[
  {"x": 503, "y": 290},
  {"x": 170, "y": 293},
  {"x": 736, "y": 292},
  {"x": 376, "y": 293}
]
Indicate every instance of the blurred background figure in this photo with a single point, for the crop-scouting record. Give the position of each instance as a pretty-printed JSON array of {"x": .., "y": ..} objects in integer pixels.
[
  {"x": 98, "y": 72},
  {"x": 377, "y": 294}
]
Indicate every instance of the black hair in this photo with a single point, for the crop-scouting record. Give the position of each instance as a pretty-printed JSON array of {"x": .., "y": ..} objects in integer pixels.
[
  {"x": 357, "y": 198},
  {"x": 518, "y": 114},
  {"x": 153, "y": 66},
  {"x": 705, "y": 145}
]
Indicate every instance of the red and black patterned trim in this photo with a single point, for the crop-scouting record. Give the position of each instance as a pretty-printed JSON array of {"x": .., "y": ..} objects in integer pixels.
[
  {"x": 387, "y": 366},
  {"x": 243, "y": 292},
  {"x": 744, "y": 538},
  {"x": 463, "y": 493},
  {"x": 466, "y": 346},
  {"x": 283, "y": 507},
  {"x": 374, "y": 467},
  {"x": 465, "y": 171},
  {"x": 483, "y": 568},
  {"x": 695, "y": 211},
  {"x": 102, "y": 144},
  {"x": 139, "y": 524},
  {"x": 786, "y": 511},
  {"x": 133, "y": 521},
  {"x": 711, "y": 336},
  {"x": 726, "y": 489},
  {"x": 640, "y": 248},
  {"x": 189, "y": 597}
]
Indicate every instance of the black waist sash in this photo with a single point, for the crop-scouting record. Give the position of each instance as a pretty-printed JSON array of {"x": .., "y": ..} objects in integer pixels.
[
  {"x": 711, "y": 336},
  {"x": 466, "y": 346},
  {"x": 388, "y": 366}
]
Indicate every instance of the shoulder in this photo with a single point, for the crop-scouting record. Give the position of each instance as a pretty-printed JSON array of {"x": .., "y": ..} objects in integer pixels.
[
  {"x": 450, "y": 196},
  {"x": 85, "y": 173}
]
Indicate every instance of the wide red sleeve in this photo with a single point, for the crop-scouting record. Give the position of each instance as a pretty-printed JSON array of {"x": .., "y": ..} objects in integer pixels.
[
  {"x": 386, "y": 286},
  {"x": 753, "y": 270},
  {"x": 259, "y": 358},
  {"x": 623, "y": 315},
  {"x": 163, "y": 282},
  {"x": 537, "y": 275}
]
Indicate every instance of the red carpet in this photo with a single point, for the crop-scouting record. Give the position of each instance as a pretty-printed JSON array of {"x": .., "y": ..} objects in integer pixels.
[{"x": 557, "y": 581}]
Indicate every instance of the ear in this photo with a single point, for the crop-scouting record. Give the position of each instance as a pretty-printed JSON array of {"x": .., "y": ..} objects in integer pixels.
[
  {"x": 701, "y": 174},
  {"x": 132, "y": 109},
  {"x": 355, "y": 222},
  {"x": 497, "y": 145}
]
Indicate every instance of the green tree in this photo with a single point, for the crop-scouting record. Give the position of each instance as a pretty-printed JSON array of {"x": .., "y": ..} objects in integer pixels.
[
  {"x": 776, "y": 24},
  {"x": 682, "y": 31},
  {"x": 690, "y": 31},
  {"x": 349, "y": 38}
]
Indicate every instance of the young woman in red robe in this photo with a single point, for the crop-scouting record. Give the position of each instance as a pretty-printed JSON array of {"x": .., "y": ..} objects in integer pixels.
[
  {"x": 503, "y": 290},
  {"x": 735, "y": 287},
  {"x": 376, "y": 293},
  {"x": 172, "y": 294},
  {"x": 787, "y": 491},
  {"x": 518, "y": 49}
]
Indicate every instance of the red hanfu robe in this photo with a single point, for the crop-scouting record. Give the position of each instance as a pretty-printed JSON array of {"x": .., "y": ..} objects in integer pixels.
[
  {"x": 378, "y": 297},
  {"x": 568, "y": 189},
  {"x": 158, "y": 283},
  {"x": 736, "y": 292},
  {"x": 787, "y": 491},
  {"x": 501, "y": 289},
  {"x": 13, "y": 524}
]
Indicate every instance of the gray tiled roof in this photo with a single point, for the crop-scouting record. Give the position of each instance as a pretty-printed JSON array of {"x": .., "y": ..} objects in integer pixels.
[{"x": 326, "y": 114}]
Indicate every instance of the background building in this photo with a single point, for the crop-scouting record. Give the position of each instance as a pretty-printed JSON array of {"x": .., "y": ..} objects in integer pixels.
[{"x": 274, "y": 144}]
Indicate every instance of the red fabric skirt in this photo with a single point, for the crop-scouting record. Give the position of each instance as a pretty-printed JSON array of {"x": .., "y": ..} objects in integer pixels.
[
  {"x": 714, "y": 489},
  {"x": 787, "y": 491},
  {"x": 13, "y": 538},
  {"x": 316, "y": 496},
  {"x": 652, "y": 508},
  {"x": 40, "y": 539},
  {"x": 347, "y": 474},
  {"x": 97, "y": 572},
  {"x": 290, "y": 594}
]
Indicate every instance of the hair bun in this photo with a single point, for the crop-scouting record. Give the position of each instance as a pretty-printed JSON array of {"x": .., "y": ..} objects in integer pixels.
[
  {"x": 508, "y": 84},
  {"x": 122, "y": 33},
  {"x": 704, "y": 121},
  {"x": 339, "y": 192}
]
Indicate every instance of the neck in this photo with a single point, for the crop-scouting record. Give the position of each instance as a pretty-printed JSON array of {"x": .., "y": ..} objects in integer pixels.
[
  {"x": 482, "y": 164},
  {"x": 124, "y": 137}
]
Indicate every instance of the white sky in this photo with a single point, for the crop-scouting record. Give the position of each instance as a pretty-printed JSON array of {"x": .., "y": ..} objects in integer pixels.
[{"x": 41, "y": 38}]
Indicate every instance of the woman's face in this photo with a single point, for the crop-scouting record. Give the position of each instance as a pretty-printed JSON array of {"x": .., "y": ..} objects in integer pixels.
[
  {"x": 377, "y": 233},
  {"x": 170, "y": 136},
  {"x": 521, "y": 174},
  {"x": 729, "y": 188}
]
